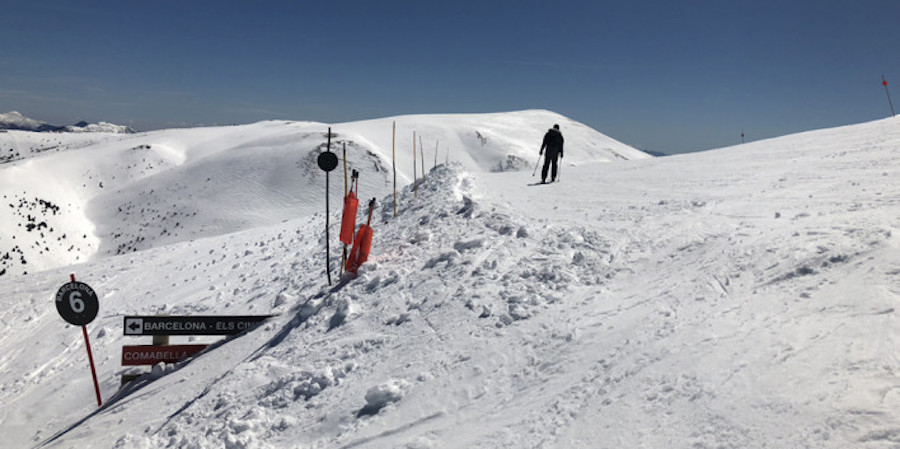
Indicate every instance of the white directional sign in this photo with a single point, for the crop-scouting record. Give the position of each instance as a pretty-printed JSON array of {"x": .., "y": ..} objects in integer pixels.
[{"x": 191, "y": 325}]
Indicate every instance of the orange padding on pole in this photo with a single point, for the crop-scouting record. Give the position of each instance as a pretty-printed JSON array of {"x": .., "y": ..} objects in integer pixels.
[
  {"x": 362, "y": 244},
  {"x": 348, "y": 223}
]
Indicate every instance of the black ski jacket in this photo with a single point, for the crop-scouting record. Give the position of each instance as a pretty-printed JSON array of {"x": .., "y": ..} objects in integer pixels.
[{"x": 553, "y": 142}]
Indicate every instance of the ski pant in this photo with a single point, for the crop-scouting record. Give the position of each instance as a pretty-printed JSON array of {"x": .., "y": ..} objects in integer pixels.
[{"x": 550, "y": 160}]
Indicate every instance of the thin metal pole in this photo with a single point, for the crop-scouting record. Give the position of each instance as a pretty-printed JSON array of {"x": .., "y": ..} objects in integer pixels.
[
  {"x": 87, "y": 344},
  {"x": 344, "y": 252},
  {"x": 884, "y": 83},
  {"x": 327, "y": 214},
  {"x": 345, "y": 168}
]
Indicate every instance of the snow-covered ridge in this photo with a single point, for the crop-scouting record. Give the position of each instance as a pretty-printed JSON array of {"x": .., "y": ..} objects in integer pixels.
[
  {"x": 100, "y": 127},
  {"x": 112, "y": 194},
  {"x": 14, "y": 120}
]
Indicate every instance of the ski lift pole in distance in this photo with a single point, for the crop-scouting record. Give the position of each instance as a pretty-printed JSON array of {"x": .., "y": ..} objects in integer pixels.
[
  {"x": 327, "y": 161},
  {"x": 362, "y": 244}
]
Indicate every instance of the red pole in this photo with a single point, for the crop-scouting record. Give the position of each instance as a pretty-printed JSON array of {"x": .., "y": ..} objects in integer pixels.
[
  {"x": 884, "y": 83},
  {"x": 87, "y": 344}
]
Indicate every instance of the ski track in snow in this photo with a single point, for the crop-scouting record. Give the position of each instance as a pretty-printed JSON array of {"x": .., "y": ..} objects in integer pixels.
[{"x": 751, "y": 305}]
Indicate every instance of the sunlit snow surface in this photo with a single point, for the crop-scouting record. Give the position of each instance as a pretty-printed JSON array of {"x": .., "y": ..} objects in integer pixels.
[{"x": 737, "y": 298}]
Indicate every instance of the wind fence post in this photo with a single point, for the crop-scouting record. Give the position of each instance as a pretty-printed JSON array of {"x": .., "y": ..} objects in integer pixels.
[
  {"x": 422, "y": 150},
  {"x": 436, "y": 146}
]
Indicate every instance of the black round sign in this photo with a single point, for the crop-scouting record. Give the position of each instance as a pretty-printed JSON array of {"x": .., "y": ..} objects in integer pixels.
[
  {"x": 328, "y": 161},
  {"x": 77, "y": 303}
]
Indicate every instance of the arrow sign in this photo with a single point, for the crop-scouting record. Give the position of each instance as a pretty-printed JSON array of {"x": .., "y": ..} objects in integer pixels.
[
  {"x": 133, "y": 326},
  {"x": 191, "y": 325}
]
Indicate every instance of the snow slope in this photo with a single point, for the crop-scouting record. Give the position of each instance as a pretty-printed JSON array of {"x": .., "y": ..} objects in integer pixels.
[
  {"x": 744, "y": 297},
  {"x": 69, "y": 197}
]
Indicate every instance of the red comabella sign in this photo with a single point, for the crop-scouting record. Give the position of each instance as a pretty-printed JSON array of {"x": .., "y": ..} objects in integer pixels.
[{"x": 151, "y": 355}]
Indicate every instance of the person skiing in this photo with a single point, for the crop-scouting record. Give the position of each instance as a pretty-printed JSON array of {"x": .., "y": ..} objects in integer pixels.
[{"x": 553, "y": 143}]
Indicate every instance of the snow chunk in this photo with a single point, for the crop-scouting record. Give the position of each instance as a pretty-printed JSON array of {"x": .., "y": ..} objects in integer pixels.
[{"x": 383, "y": 395}]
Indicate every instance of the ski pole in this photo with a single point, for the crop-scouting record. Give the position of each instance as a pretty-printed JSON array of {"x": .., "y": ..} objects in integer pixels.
[{"x": 537, "y": 163}]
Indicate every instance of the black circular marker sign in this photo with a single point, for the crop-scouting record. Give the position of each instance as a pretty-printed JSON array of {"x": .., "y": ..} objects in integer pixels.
[
  {"x": 328, "y": 161},
  {"x": 77, "y": 303}
]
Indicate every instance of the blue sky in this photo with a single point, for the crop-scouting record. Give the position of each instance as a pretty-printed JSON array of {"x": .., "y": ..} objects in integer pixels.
[{"x": 662, "y": 75}]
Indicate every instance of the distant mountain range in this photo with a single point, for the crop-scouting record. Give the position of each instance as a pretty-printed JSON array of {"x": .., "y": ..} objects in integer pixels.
[{"x": 16, "y": 121}]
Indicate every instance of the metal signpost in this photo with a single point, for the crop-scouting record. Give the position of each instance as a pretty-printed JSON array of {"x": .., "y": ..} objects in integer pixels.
[
  {"x": 77, "y": 303},
  {"x": 327, "y": 161}
]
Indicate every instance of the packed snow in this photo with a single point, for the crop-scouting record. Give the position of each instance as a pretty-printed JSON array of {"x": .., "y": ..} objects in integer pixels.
[{"x": 742, "y": 297}]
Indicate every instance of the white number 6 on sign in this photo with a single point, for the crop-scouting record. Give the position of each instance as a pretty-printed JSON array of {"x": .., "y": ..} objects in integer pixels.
[{"x": 76, "y": 303}]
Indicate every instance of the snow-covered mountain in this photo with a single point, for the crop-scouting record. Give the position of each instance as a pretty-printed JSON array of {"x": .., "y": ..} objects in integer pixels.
[
  {"x": 100, "y": 127},
  {"x": 743, "y": 297},
  {"x": 16, "y": 121}
]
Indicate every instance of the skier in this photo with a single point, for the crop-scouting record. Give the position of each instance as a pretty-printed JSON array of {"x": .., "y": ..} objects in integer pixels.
[{"x": 553, "y": 143}]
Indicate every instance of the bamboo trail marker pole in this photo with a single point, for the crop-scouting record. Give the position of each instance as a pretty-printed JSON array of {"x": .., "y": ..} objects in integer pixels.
[
  {"x": 77, "y": 303},
  {"x": 422, "y": 150},
  {"x": 415, "y": 176},
  {"x": 394, "y": 163},
  {"x": 438, "y": 144},
  {"x": 884, "y": 83}
]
